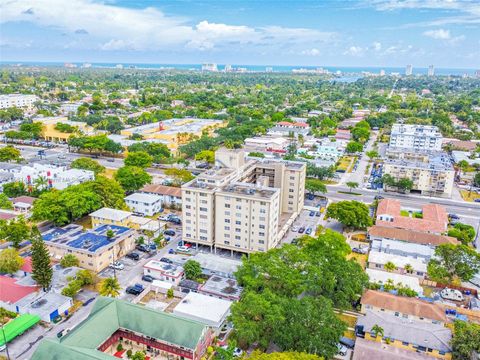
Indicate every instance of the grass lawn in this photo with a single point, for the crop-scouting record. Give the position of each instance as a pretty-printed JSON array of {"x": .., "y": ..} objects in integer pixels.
[
  {"x": 404, "y": 213},
  {"x": 469, "y": 196},
  {"x": 85, "y": 222},
  {"x": 350, "y": 320},
  {"x": 359, "y": 258},
  {"x": 108, "y": 173},
  {"x": 346, "y": 163}
]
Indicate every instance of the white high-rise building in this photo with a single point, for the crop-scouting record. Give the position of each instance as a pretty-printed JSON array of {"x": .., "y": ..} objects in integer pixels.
[
  {"x": 228, "y": 68},
  {"x": 17, "y": 100},
  {"x": 209, "y": 67},
  {"x": 431, "y": 71},
  {"x": 421, "y": 137},
  {"x": 409, "y": 70},
  {"x": 382, "y": 72}
]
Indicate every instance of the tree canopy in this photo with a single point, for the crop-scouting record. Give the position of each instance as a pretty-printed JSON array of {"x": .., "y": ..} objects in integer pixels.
[
  {"x": 453, "y": 261},
  {"x": 88, "y": 164},
  {"x": 132, "y": 178},
  {"x": 352, "y": 214}
]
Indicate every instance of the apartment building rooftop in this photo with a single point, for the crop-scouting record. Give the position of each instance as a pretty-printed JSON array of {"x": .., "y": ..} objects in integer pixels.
[
  {"x": 435, "y": 161},
  {"x": 249, "y": 190},
  {"x": 403, "y": 304},
  {"x": 165, "y": 268},
  {"x": 111, "y": 214},
  {"x": 372, "y": 350}
]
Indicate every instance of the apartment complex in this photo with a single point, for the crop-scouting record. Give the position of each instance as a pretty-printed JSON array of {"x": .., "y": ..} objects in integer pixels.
[
  {"x": 95, "y": 249},
  {"x": 17, "y": 100},
  {"x": 432, "y": 172},
  {"x": 421, "y": 137},
  {"x": 244, "y": 204}
]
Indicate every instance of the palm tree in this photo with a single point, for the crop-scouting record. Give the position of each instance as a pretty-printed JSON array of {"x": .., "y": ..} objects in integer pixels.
[
  {"x": 408, "y": 268},
  {"x": 390, "y": 266},
  {"x": 110, "y": 287},
  {"x": 41, "y": 182},
  {"x": 377, "y": 330}
]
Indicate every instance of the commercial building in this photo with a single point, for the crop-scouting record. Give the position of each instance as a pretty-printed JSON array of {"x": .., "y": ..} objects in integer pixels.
[
  {"x": 144, "y": 204},
  {"x": 175, "y": 132},
  {"x": 416, "y": 137},
  {"x": 170, "y": 195},
  {"x": 17, "y": 100},
  {"x": 208, "y": 310},
  {"x": 93, "y": 248},
  {"x": 113, "y": 321},
  {"x": 51, "y": 133},
  {"x": 244, "y": 204},
  {"x": 53, "y": 176},
  {"x": 434, "y": 218},
  {"x": 408, "y": 334},
  {"x": 285, "y": 128},
  {"x": 164, "y": 271}
]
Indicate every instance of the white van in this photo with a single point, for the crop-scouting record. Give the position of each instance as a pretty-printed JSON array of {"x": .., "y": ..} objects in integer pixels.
[{"x": 452, "y": 294}]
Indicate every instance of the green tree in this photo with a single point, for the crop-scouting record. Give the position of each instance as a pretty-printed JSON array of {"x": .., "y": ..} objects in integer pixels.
[
  {"x": 390, "y": 266},
  {"x": 352, "y": 214},
  {"x": 88, "y": 164},
  {"x": 289, "y": 355},
  {"x": 110, "y": 287},
  {"x": 14, "y": 189},
  {"x": 132, "y": 178},
  {"x": 372, "y": 154},
  {"x": 110, "y": 234},
  {"x": 16, "y": 231},
  {"x": 352, "y": 185},
  {"x": 10, "y": 261},
  {"x": 354, "y": 147},
  {"x": 192, "y": 269},
  {"x": 466, "y": 340},
  {"x": 377, "y": 330},
  {"x": 9, "y": 153},
  {"x": 69, "y": 260},
  {"x": 256, "y": 154},
  {"x": 404, "y": 184},
  {"x": 41, "y": 269},
  {"x": 453, "y": 261},
  {"x": 476, "y": 179},
  {"x": 139, "y": 355},
  {"x": 315, "y": 186},
  {"x": 140, "y": 159},
  {"x": 5, "y": 203},
  {"x": 206, "y": 155},
  {"x": 388, "y": 180},
  {"x": 180, "y": 176},
  {"x": 463, "y": 233}
]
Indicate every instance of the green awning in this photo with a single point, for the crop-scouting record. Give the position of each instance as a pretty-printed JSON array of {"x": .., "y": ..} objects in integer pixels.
[{"x": 17, "y": 327}]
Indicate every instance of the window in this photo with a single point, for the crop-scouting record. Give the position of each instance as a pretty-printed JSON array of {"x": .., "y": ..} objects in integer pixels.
[
  {"x": 261, "y": 241},
  {"x": 405, "y": 316},
  {"x": 261, "y": 226},
  {"x": 238, "y": 214},
  {"x": 227, "y": 227},
  {"x": 227, "y": 213},
  {"x": 187, "y": 192},
  {"x": 203, "y": 209},
  {"x": 203, "y": 238},
  {"x": 226, "y": 235},
  {"x": 262, "y": 203},
  {"x": 203, "y": 231},
  {"x": 226, "y": 242},
  {"x": 263, "y": 211},
  {"x": 238, "y": 222},
  {"x": 203, "y": 201},
  {"x": 261, "y": 234},
  {"x": 203, "y": 217},
  {"x": 227, "y": 206},
  {"x": 261, "y": 218},
  {"x": 397, "y": 313},
  {"x": 237, "y": 237},
  {"x": 188, "y": 206},
  {"x": 188, "y": 214},
  {"x": 238, "y": 230},
  {"x": 290, "y": 190},
  {"x": 202, "y": 194},
  {"x": 227, "y": 221},
  {"x": 238, "y": 207}
]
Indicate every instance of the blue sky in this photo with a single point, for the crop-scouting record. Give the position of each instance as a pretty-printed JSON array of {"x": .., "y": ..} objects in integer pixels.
[{"x": 282, "y": 32}]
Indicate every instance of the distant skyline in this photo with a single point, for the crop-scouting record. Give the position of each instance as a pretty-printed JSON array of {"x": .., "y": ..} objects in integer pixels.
[{"x": 377, "y": 33}]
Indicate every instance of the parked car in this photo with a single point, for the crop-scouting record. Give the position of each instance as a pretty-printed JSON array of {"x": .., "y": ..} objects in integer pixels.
[
  {"x": 342, "y": 349},
  {"x": 183, "y": 249},
  {"x": 110, "y": 160},
  {"x": 147, "y": 278},
  {"x": 88, "y": 301},
  {"x": 349, "y": 343},
  {"x": 312, "y": 213},
  {"x": 171, "y": 251},
  {"x": 133, "y": 255},
  {"x": 117, "y": 265},
  {"x": 294, "y": 228},
  {"x": 378, "y": 197},
  {"x": 142, "y": 247},
  {"x": 317, "y": 214},
  {"x": 476, "y": 200},
  {"x": 360, "y": 250},
  {"x": 166, "y": 260},
  {"x": 301, "y": 230},
  {"x": 169, "y": 232},
  {"x": 453, "y": 216},
  {"x": 308, "y": 231},
  {"x": 133, "y": 290},
  {"x": 152, "y": 246},
  {"x": 452, "y": 294}
]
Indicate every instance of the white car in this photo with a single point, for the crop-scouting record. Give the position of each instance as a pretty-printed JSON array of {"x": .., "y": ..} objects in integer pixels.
[
  {"x": 183, "y": 249},
  {"x": 294, "y": 228},
  {"x": 342, "y": 349},
  {"x": 117, "y": 265},
  {"x": 452, "y": 294}
]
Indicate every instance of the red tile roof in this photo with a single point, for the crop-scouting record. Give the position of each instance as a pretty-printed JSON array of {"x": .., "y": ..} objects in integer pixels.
[
  {"x": 435, "y": 218},
  {"x": 297, "y": 124},
  {"x": 6, "y": 216},
  {"x": 411, "y": 236},
  {"x": 162, "y": 190},
  {"x": 12, "y": 292},
  {"x": 27, "y": 264},
  {"x": 24, "y": 199}
]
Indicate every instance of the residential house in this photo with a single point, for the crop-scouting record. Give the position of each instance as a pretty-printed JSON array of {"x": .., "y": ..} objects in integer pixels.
[
  {"x": 170, "y": 195},
  {"x": 144, "y": 204}
]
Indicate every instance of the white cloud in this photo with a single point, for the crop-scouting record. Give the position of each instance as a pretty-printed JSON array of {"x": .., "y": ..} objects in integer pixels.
[
  {"x": 377, "y": 46},
  {"x": 440, "y": 34},
  {"x": 113, "y": 27},
  {"x": 354, "y": 51},
  {"x": 311, "y": 52}
]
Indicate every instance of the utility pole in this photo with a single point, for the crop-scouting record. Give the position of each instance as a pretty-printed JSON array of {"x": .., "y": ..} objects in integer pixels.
[{"x": 5, "y": 340}]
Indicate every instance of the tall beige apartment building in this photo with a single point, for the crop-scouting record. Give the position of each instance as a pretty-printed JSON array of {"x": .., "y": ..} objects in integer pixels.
[{"x": 244, "y": 204}]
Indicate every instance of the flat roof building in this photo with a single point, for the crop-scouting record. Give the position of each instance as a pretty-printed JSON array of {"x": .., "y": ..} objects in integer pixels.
[
  {"x": 416, "y": 137},
  {"x": 245, "y": 204},
  {"x": 164, "y": 271},
  {"x": 384, "y": 277},
  {"x": 372, "y": 350},
  {"x": 112, "y": 320},
  {"x": 221, "y": 287},
  {"x": 17, "y": 100},
  {"x": 93, "y": 248},
  {"x": 144, "y": 204},
  {"x": 208, "y": 310}
]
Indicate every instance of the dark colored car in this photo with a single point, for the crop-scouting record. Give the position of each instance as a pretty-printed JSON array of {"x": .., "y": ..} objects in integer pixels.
[
  {"x": 308, "y": 231},
  {"x": 133, "y": 290},
  {"x": 378, "y": 197},
  {"x": 176, "y": 221},
  {"x": 166, "y": 260},
  {"x": 312, "y": 213},
  {"x": 152, "y": 247},
  {"x": 147, "y": 278},
  {"x": 88, "y": 301},
  {"x": 317, "y": 214},
  {"x": 301, "y": 230},
  {"x": 453, "y": 216},
  {"x": 142, "y": 247},
  {"x": 169, "y": 232},
  {"x": 133, "y": 255}
]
